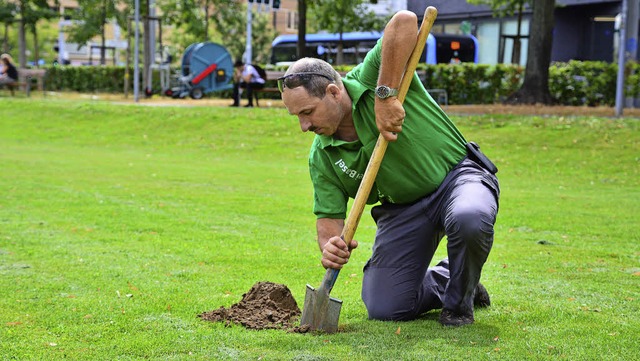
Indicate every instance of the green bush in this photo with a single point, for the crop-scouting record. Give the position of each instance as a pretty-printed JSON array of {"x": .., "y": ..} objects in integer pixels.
[
  {"x": 473, "y": 83},
  {"x": 94, "y": 79},
  {"x": 573, "y": 83}
]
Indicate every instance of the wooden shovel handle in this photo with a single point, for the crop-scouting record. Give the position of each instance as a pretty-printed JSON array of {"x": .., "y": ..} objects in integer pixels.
[{"x": 371, "y": 172}]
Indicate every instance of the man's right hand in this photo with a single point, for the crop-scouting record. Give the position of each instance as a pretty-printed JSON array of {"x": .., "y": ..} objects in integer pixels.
[{"x": 335, "y": 252}]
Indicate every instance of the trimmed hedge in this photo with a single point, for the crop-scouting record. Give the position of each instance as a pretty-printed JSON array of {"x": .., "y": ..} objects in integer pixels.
[{"x": 572, "y": 83}]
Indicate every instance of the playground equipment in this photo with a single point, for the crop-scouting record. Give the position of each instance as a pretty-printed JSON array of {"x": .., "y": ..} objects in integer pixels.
[{"x": 206, "y": 67}]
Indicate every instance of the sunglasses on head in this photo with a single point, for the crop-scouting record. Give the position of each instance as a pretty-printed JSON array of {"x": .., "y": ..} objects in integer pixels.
[{"x": 294, "y": 80}]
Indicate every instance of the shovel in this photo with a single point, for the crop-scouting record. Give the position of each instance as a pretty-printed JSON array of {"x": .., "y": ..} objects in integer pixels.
[{"x": 321, "y": 311}]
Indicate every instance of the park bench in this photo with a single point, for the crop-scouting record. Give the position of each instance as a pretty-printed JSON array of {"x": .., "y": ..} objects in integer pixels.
[
  {"x": 271, "y": 75},
  {"x": 25, "y": 80}
]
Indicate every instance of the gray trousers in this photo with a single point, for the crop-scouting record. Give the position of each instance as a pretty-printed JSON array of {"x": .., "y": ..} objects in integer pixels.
[{"x": 398, "y": 284}]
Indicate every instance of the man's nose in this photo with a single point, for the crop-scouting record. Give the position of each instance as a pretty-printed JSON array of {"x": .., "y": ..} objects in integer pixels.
[{"x": 304, "y": 125}]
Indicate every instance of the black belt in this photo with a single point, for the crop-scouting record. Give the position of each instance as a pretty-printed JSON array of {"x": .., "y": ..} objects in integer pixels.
[{"x": 475, "y": 154}]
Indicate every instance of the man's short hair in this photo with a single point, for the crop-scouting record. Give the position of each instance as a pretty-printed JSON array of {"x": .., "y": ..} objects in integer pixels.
[{"x": 317, "y": 85}]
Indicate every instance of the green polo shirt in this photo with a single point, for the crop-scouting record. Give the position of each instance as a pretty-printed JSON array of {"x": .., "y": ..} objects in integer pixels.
[{"x": 428, "y": 147}]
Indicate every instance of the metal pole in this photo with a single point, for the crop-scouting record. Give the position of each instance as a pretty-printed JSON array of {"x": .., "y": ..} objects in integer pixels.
[
  {"x": 632, "y": 39},
  {"x": 136, "y": 54},
  {"x": 621, "y": 60},
  {"x": 248, "y": 50}
]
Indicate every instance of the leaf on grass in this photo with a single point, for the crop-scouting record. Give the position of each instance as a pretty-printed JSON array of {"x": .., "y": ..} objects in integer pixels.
[
  {"x": 398, "y": 331},
  {"x": 496, "y": 338},
  {"x": 86, "y": 317},
  {"x": 53, "y": 344},
  {"x": 636, "y": 274},
  {"x": 17, "y": 323},
  {"x": 132, "y": 287}
]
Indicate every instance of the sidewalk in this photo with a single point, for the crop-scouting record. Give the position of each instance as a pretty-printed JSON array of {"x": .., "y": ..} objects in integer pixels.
[{"x": 157, "y": 100}]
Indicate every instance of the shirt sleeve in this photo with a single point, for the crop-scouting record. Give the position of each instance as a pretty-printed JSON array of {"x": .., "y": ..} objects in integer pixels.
[
  {"x": 370, "y": 68},
  {"x": 329, "y": 200}
]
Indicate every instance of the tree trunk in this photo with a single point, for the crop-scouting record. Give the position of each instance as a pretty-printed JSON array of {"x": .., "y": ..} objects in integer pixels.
[
  {"x": 535, "y": 88},
  {"x": 206, "y": 21},
  {"x": 22, "y": 41},
  {"x": 302, "y": 29},
  {"x": 36, "y": 53},
  {"x": 5, "y": 41},
  {"x": 102, "y": 34},
  {"x": 517, "y": 43}
]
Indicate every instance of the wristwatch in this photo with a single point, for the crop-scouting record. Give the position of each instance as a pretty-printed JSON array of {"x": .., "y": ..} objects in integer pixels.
[{"x": 384, "y": 92}]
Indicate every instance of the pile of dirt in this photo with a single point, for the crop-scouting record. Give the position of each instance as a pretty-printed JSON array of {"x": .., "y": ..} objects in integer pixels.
[{"x": 267, "y": 305}]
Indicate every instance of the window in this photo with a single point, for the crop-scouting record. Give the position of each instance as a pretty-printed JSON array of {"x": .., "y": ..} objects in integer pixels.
[{"x": 292, "y": 20}]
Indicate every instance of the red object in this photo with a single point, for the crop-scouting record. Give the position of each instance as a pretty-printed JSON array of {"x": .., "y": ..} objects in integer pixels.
[{"x": 204, "y": 74}]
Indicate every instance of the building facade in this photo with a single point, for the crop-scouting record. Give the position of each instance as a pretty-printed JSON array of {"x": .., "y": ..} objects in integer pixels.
[{"x": 584, "y": 29}]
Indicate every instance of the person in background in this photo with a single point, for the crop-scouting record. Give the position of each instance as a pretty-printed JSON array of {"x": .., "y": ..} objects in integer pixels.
[
  {"x": 245, "y": 76},
  {"x": 432, "y": 182},
  {"x": 9, "y": 73}
]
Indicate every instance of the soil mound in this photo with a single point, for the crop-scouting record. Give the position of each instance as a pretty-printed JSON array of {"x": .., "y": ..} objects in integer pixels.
[{"x": 267, "y": 305}]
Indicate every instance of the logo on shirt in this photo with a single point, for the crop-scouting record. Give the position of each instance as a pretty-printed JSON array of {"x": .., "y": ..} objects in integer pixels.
[{"x": 351, "y": 173}]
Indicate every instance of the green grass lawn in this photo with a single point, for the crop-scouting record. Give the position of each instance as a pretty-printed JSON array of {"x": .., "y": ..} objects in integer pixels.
[{"x": 119, "y": 224}]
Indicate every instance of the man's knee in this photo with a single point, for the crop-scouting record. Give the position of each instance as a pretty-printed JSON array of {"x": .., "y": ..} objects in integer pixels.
[
  {"x": 471, "y": 225},
  {"x": 389, "y": 308}
]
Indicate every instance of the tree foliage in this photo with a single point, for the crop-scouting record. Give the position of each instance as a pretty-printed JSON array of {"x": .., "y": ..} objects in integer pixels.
[
  {"x": 8, "y": 11},
  {"x": 502, "y": 8},
  {"x": 30, "y": 12},
  {"x": 92, "y": 17},
  {"x": 221, "y": 21},
  {"x": 191, "y": 16}
]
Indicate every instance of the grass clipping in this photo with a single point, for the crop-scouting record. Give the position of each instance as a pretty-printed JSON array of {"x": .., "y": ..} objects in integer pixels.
[{"x": 267, "y": 305}]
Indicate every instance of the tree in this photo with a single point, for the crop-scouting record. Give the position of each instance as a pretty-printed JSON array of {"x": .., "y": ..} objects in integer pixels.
[
  {"x": 535, "y": 88},
  {"x": 341, "y": 16},
  {"x": 7, "y": 17},
  {"x": 34, "y": 14},
  {"x": 192, "y": 16},
  {"x": 231, "y": 25},
  {"x": 302, "y": 29},
  {"x": 502, "y": 8},
  {"x": 92, "y": 16},
  {"x": 222, "y": 21},
  {"x": 30, "y": 12}
]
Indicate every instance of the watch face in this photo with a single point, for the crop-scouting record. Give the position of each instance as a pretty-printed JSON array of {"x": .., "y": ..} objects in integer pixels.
[{"x": 382, "y": 91}]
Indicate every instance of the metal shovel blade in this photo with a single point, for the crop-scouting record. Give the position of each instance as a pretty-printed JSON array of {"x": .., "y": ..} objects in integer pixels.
[{"x": 321, "y": 312}]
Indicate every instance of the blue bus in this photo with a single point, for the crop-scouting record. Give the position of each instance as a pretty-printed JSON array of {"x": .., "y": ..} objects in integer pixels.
[{"x": 440, "y": 48}]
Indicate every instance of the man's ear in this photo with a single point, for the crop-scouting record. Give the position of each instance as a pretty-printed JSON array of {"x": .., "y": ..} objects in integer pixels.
[{"x": 333, "y": 90}]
